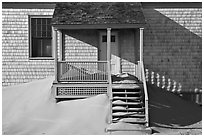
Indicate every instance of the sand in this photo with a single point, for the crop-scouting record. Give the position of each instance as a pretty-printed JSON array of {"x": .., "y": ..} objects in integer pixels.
[{"x": 29, "y": 109}]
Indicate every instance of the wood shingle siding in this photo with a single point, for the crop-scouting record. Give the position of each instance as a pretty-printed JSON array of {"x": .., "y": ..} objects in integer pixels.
[
  {"x": 173, "y": 48},
  {"x": 80, "y": 46},
  {"x": 16, "y": 66}
]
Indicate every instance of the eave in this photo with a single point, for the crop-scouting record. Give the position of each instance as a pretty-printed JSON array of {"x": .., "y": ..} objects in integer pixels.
[{"x": 99, "y": 26}]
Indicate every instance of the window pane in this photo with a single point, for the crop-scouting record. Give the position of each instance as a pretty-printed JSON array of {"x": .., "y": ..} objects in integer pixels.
[
  {"x": 41, "y": 48},
  {"x": 44, "y": 27},
  {"x": 104, "y": 38},
  {"x": 49, "y": 21},
  {"x": 44, "y": 21},
  {"x": 36, "y": 48},
  {"x": 112, "y": 38},
  {"x": 49, "y": 33},
  {"x": 38, "y": 30},
  {"x": 49, "y": 27},
  {"x": 39, "y": 21},
  {"x": 47, "y": 48},
  {"x": 44, "y": 34}
]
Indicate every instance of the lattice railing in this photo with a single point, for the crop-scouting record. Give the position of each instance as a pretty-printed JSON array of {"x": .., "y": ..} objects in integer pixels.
[
  {"x": 80, "y": 91},
  {"x": 82, "y": 71}
]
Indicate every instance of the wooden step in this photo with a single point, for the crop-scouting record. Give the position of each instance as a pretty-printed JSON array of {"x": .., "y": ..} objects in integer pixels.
[
  {"x": 125, "y": 86},
  {"x": 121, "y": 126},
  {"x": 130, "y": 98},
  {"x": 119, "y": 102},
  {"x": 124, "y": 114},
  {"x": 115, "y": 92},
  {"x": 127, "y": 109},
  {"x": 127, "y": 103},
  {"x": 133, "y": 120}
]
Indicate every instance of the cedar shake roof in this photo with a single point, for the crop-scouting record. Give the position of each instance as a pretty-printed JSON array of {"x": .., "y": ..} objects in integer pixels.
[{"x": 87, "y": 13}]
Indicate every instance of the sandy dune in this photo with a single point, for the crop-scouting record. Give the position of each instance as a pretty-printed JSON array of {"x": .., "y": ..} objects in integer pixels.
[{"x": 30, "y": 109}]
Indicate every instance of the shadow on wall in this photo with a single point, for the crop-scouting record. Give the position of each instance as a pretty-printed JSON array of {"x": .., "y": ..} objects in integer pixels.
[
  {"x": 173, "y": 53},
  {"x": 168, "y": 84}
]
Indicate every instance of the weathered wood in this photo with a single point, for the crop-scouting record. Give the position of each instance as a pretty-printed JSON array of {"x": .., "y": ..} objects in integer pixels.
[
  {"x": 141, "y": 44},
  {"x": 146, "y": 94},
  {"x": 81, "y": 85},
  {"x": 54, "y": 45},
  {"x": 109, "y": 72},
  {"x": 60, "y": 45},
  {"x": 73, "y": 97}
]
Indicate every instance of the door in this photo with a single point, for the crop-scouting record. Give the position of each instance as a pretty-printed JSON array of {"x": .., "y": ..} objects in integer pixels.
[{"x": 115, "y": 59}]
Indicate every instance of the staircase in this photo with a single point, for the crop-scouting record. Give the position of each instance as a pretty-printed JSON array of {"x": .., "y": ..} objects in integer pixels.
[{"x": 128, "y": 110}]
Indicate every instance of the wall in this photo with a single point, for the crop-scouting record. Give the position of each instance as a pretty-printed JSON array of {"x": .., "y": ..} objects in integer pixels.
[
  {"x": 81, "y": 45},
  {"x": 173, "y": 47},
  {"x": 128, "y": 50},
  {"x": 16, "y": 66}
]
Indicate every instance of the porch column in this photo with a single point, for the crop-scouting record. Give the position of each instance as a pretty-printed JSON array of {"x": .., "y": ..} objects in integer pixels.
[
  {"x": 109, "y": 53},
  {"x": 61, "y": 44},
  {"x": 141, "y": 44},
  {"x": 54, "y": 45},
  {"x": 108, "y": 44},
  {"x": 109, "y": 73}
]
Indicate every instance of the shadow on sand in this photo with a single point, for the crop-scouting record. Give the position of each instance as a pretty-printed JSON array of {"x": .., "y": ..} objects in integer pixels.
[{"x": 169, "y": 110}]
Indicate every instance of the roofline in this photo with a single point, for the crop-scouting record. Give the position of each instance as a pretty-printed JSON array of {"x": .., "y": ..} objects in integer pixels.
[
  {"x": 171, "y": 4},
  {"x": 99, "y": 26},
  {"x": 28, "y": 5}
]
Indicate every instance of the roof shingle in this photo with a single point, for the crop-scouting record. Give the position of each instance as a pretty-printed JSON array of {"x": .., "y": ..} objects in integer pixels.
[{"x": 98, "y": 13}]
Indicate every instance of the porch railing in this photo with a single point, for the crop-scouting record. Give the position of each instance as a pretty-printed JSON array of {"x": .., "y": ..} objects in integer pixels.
[{"x": 82, "y": 71}]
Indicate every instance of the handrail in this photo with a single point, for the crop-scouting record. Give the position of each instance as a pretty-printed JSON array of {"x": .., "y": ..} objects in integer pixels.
[
  {"x": 83, "y": 61},
  {"x": 145, "y": 92}
]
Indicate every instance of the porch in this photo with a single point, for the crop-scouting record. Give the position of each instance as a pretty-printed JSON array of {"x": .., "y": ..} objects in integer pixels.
[{"x": 84, "y": 76}]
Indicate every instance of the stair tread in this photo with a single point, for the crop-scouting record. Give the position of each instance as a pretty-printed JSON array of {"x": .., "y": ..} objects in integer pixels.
[
  {"x": 116, "y": 92},
  {"x": 125, "y": 86},
  {"x": 128, "y": 114},
  {"x": 132, "y": 98},
  {"x": 125, "y": 126},
  {"x": 133, "y": 120},
  {"x": 120, "y": 102}
]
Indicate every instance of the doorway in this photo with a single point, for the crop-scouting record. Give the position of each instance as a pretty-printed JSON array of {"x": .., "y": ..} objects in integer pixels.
[{"x": 115, "y": 59}]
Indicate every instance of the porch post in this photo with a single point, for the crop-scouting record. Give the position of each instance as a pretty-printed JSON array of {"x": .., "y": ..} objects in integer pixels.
[
  {"x": 109, "y": 73},
  {"x": 60, "y": 45},
  {"x": 54, "y": 45},
  {"x": 108, "y": 44},
  {"x": 109, "y": 53},
  {"x": 141, "y": 44}
]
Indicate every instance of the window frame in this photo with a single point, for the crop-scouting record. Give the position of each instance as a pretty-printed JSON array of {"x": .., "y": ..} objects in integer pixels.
[{"x": 30, "y": 39}]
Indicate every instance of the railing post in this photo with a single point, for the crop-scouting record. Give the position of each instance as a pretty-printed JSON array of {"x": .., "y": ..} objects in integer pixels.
[
  {"x": 109, "y": 73},
  {"x": 141, "y": 44},
  {"x": 60, "y": 45},
  {"x": 54, "y": 45},
  {"x": 61, "y": 53},
  {"x": 109, "y": 56}
]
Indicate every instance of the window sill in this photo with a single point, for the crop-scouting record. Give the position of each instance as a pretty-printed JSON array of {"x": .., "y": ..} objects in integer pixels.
[{"x": 41, "y": 58}]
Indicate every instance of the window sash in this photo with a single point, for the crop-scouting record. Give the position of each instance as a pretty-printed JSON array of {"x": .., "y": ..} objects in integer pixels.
[{"x": 41, "y": 37}]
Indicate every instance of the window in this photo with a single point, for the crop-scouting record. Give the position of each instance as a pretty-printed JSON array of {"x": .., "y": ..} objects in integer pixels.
[
  {"x": 41, "y": 37},
  {"x": 104, "y": 38}
]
